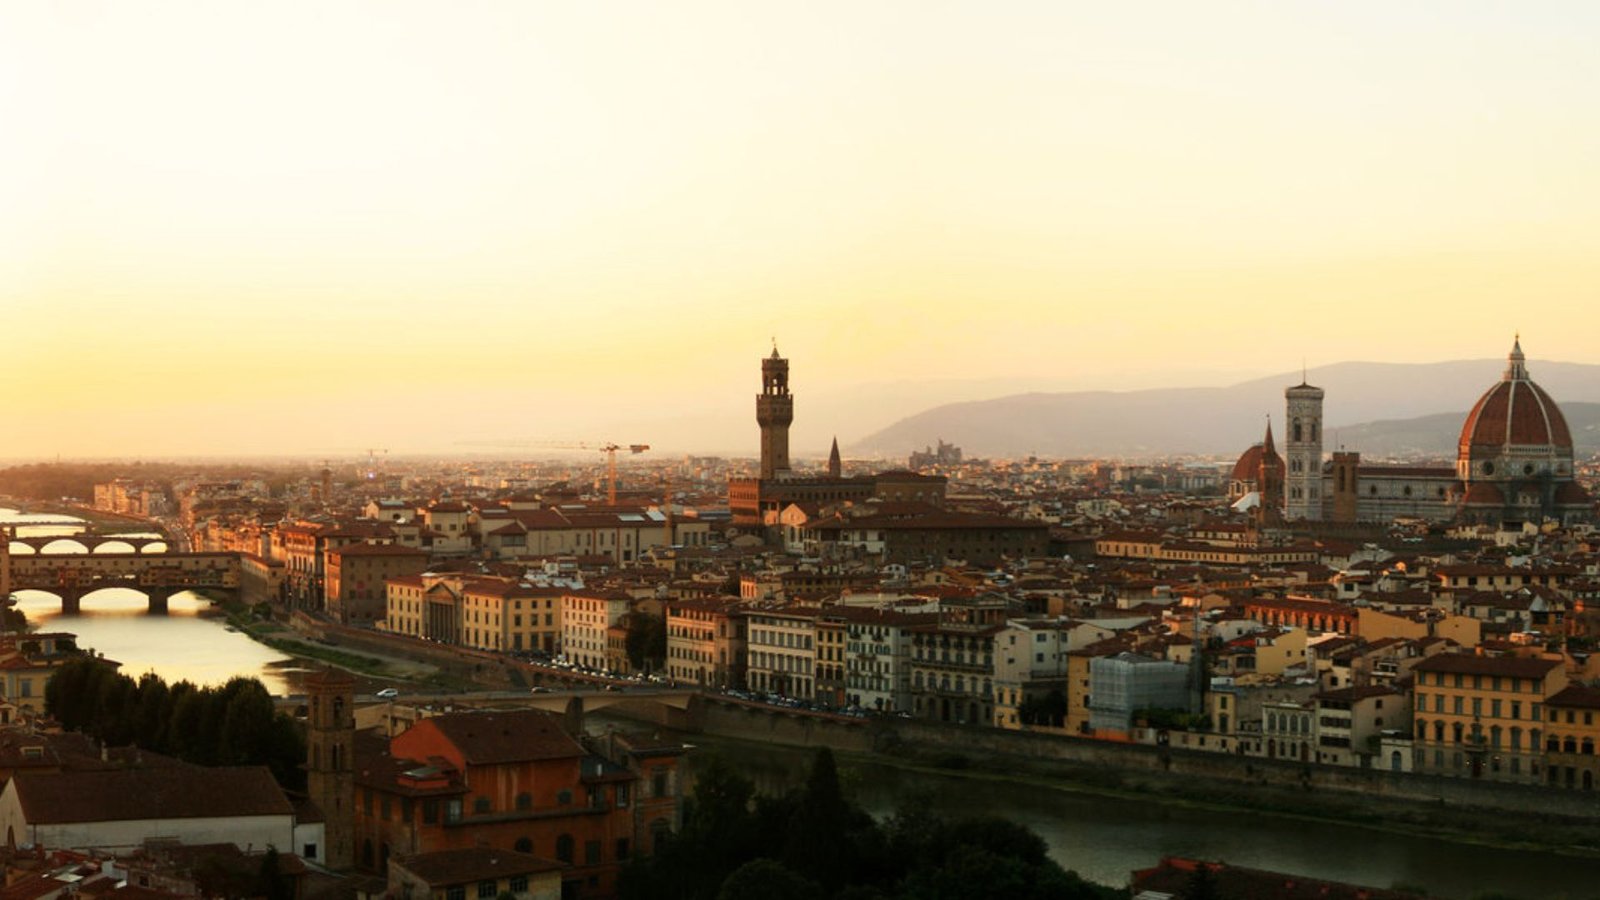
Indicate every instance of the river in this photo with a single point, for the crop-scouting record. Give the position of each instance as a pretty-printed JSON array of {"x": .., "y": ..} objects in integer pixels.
[
  {"x": 1105, "y": 838},
  {"x": 183, "y": 644}
]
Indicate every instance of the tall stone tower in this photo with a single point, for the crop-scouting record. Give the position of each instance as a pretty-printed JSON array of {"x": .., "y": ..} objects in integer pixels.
[
  {"x": 1302, "y": 451},
  {"x": 330, "y": 770},
  {"x": 774, "y": 412}
]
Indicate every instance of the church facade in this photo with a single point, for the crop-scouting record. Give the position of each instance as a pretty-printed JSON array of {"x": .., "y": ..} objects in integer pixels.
[{"x": 1514, "y": 464}]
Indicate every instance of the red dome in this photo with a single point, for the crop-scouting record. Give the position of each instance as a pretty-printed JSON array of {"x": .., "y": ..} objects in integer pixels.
[
  {"x": 1248, "y": 468},
  {"x": 1515, "y": 412}
]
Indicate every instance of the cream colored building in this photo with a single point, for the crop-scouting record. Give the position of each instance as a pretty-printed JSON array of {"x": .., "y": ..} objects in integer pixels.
[
  {"x": 781, "y": 655},
  {"x": 586, "y": 619}
]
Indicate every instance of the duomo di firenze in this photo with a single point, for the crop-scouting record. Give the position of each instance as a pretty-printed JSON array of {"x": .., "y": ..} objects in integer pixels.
[{"x": 1513, "y": 464}]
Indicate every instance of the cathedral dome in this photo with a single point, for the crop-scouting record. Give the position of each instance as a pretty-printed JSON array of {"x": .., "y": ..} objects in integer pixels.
[
  {"x": 1515, "y": 413},
  {"x": 1248, "y": 468}
]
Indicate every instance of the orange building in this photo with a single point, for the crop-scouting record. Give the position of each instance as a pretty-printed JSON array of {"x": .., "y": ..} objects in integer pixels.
[{"x": 506, "y": 779}]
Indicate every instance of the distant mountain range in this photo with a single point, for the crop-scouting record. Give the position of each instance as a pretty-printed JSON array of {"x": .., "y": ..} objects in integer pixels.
[{"x": 1380, "y": 409}]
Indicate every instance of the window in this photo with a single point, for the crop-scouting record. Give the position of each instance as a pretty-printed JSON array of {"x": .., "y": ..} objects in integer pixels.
[
  {"x": 518, "y": 884},
  {"x": 430, "y": 812},
  {"x": 591, "y": 853},
  {"x": 480, "y": 806},
  {"x": 455, "y": 893},
  {"x": 524, "y": 801},
  {"x": 486, "y": 890},
  {"x": 452, "y": 811},
  {"x": 564, "y": 848},
  {"x": 564, "y": 798},
  {"x": 622, "y": 848}
]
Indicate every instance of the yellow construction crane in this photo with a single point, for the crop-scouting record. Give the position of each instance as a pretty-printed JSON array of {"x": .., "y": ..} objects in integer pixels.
[{"x": 609, "y": 448}]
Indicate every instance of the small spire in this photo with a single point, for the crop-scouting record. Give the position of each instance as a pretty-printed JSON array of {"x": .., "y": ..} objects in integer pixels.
[
  {"x": 835, "y": 466},
  {"x": 1516, "y": 366},
  {"x": 1266, "y": 443},
  {"x": 775, "y": 348}
]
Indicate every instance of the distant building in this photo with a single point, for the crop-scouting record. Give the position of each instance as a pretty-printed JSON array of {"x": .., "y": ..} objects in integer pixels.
[
  {"x": 1514, "y": 464},
  {"x": 943, "y": 455},
  {"x": 757, "y": 503}
]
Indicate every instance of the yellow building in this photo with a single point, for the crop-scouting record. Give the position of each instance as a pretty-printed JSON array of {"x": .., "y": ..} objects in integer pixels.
[
  {"x": 1572, "y": 733},
  {"x": 474, "y": 611},
  {"x": 26, "y": 663},
  {"x": 706, "y": 642},
  {"x": 1481, "y": 716}
]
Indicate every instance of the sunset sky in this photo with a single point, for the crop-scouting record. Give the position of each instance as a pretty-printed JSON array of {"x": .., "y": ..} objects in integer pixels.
[{"x": 314, "y": 227}]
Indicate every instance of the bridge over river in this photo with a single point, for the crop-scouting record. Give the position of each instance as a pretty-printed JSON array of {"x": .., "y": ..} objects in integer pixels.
[{"x": 73, "y": 576}]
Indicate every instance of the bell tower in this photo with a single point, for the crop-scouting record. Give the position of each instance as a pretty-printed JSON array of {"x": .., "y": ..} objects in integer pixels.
[
  {"x": 330, "y": 770},
  {"x": 1302, "y": 451},
  {"x": 774, "y": 413}
]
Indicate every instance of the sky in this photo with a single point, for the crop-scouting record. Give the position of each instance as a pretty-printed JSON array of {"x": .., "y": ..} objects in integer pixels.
[{"x": 317, "y": 227}]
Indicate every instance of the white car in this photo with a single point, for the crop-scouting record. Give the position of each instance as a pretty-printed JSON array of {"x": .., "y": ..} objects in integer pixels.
[{"x": 387, "y": 694}]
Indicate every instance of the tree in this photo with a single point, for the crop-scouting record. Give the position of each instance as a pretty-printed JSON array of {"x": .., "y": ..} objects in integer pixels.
[
  {"x": 646, "y": 641},
  {"x": 763, "y": 879},
  {"x": 818, "y": 841},
  {"x": 1202, "y": 884},
  {"x": 274, "y": 886}
]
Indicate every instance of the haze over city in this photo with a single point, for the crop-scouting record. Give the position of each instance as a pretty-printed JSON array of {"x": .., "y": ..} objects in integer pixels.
[{"x": 311, "y": 228}]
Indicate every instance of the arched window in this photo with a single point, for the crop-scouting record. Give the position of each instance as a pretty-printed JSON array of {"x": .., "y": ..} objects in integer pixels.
[
  {"x": 1422, "y": 730},
  {"x": 564, "y": 848},
  {"x": 1297, "y": 432},
  {"x": 524, "y": 801},
  {"x": 1456, "y": 728},
  {"x": 523, "y": 845},
  {"x": 1588, "y": 747}
]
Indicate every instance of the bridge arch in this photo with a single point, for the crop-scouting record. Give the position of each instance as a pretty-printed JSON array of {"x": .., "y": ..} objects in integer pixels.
[
  {"x": 114, "y": 546},
  {"x": 154, "y": 547},
  {"x": 64, "y": 545},
  {"x": 18, "y": 548}
]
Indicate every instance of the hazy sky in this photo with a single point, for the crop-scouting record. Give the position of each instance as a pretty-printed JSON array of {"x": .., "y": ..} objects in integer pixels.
[{"x": 320, "y": 226}]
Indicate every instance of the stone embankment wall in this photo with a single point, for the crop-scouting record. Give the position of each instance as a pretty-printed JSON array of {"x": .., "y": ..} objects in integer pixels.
[{"x": 1135, "y": 766}]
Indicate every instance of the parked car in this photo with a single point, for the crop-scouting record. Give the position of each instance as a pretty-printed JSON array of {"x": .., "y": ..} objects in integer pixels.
[{"x": 387, "y": 694}]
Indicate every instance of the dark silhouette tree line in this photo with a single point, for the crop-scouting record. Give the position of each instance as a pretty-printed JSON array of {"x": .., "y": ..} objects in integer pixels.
[
  {"x": 813, "y": 843},
  {"x": 235, "y": 724}
]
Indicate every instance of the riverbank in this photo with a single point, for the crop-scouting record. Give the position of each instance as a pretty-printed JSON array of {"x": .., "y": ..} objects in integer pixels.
[
  {"x": 1105, "y": 833},
  {"x": 1503, "y": 816},
  {"x": 1507, "y": 831},
  {"x": 272, "y": 633}
]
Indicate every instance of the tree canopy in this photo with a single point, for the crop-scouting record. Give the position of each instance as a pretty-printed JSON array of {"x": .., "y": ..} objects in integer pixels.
[
  {"x": 235, "y": 724},
  {"x": 812, "y": 842}
]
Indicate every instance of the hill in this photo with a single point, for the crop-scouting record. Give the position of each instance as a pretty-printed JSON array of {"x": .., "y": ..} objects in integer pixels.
[{"x": 1378, "y": 408}]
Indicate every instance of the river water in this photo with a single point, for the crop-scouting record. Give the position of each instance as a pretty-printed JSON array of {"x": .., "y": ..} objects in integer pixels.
[
  {"x": 1104, "y": 839},
  {"x": 186, "y": 643}
]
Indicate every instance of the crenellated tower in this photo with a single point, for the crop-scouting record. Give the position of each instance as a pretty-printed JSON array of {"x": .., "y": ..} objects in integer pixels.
[
  {"x": 1302, "y": 451},
  {"x": 774, "y": 413}
]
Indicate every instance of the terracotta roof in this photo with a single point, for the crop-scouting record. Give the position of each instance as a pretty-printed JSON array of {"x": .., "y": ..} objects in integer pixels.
[
  {"x": 1466, "y": 664},
  {"x": 1515, "y": 411},
  {"x": 443, "y": 868},
  {"x": 137, "y": 794},
  {"x": 1576, "y": 696},
  {"x": 486, "y": 739}
]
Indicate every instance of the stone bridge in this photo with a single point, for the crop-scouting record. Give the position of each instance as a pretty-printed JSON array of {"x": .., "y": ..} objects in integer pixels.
[
  {"x": 669, "y": 707},
  {"x": 73, "y": 576},
  {"x": 50, "y": 545}
]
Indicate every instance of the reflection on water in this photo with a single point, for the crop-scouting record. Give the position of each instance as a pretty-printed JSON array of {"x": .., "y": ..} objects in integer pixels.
[
  {"x": 1106, "y": 838},
  {"x": 179, "y": 645}
]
